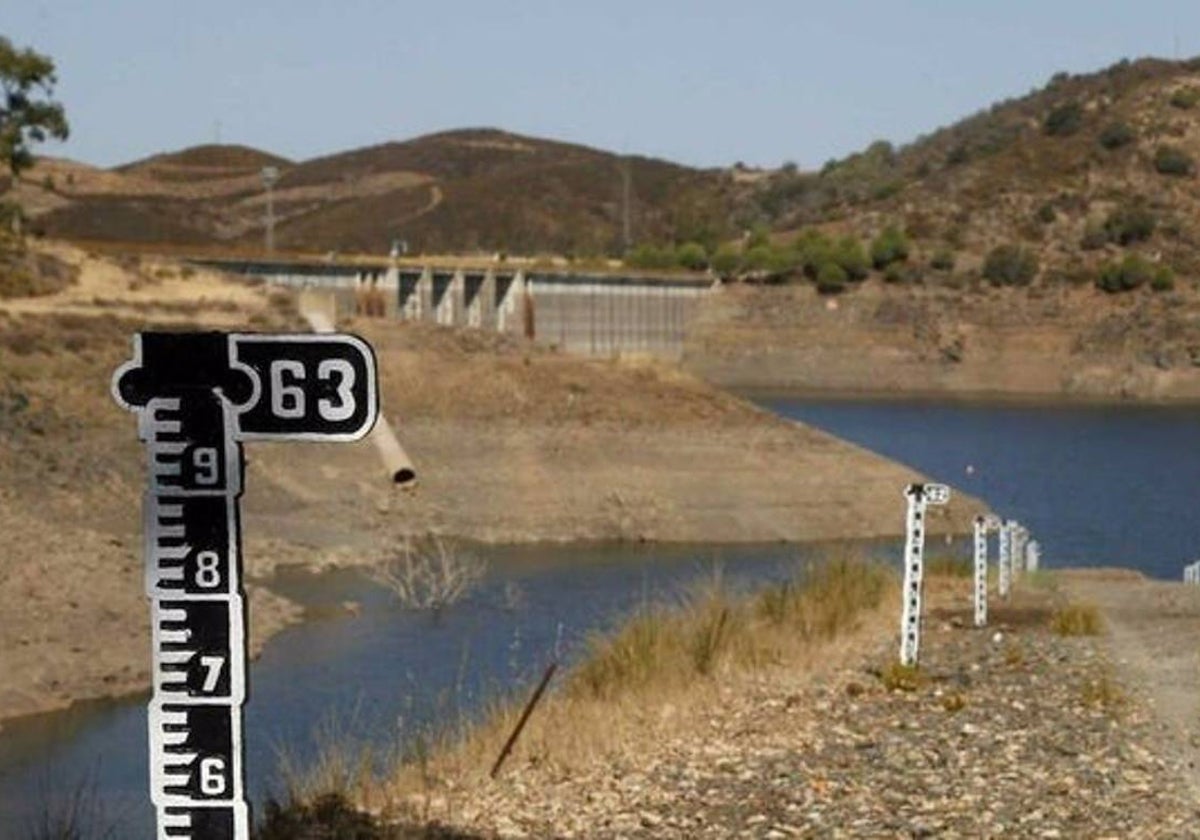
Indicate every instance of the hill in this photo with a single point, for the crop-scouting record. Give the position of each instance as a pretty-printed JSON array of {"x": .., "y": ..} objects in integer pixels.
[
  {"x": 467, "y": 190},
  {"x": 1080, "y": 174}
]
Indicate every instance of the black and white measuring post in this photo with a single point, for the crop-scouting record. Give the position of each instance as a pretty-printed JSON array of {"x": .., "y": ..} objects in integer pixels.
[
  {"x": 981, "y": 564},
  {"x": 197, "y": 397},
  {"x": 919, "y": 497},
  {"x": 1004, "y": 558},
  {"x": 1019, "y": 545}
]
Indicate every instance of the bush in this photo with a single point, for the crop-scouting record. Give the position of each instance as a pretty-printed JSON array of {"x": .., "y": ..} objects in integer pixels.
[
  {"x": 1185, "y": 98},
  {"x": 1132, "y": 272},
  {"x": 651, "y": 256},
  {"x": 1010, "y": 265},
  {"x": 727, "y": 260},
  {"x": 1171, "y": 160},
  {"x": 1163, "y": 280},
  {"x": 812, "y": 249},
  {"x": 831, "y": 278},
  {"x": 888, "y": 247},
  {"x": 1130, "y": 223},
  {"x": 1064, "y": 120},
  {"x": 691, "y": 255},
  {"x": 942, "y": 260},
  {"x": 849, "y": 255},
  {"x": 1115, "y": 135},
  {"x": 772, "y": 261},
  {"x": 1045, "y": 214}
]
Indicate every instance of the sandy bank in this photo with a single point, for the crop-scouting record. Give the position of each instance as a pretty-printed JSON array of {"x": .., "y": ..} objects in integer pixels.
[{"x": 1050, "y": 343}]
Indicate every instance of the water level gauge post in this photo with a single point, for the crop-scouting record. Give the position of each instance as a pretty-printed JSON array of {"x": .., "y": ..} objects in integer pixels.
[
  {"x": 981, "y": 569},
  {"x": 919, "y": 496},
  {"x": 197, "y": 396}
]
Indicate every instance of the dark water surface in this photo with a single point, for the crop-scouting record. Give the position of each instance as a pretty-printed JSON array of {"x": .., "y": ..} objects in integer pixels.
[{"x": 1096, "y": 484}]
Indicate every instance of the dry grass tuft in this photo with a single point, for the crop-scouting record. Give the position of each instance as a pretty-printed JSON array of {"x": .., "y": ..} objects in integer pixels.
[
  {"x": 898, "y": 677},
  {"x": 1077, "y": 619},
  {"x": 715, "y": 630},
  {"x": 1104, "y": 692}
]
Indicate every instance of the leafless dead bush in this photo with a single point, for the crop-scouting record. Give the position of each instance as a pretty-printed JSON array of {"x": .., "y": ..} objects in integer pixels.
[{"x": 429, "y": 574}]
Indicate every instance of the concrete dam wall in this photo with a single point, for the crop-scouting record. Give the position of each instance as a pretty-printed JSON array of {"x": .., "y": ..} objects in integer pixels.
[{"x": 588, "y": 314}]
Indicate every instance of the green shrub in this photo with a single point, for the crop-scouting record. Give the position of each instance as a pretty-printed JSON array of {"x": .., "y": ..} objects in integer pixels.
[
  {"x": 812, "y": 249},
  {"x": 942, "y": 260},
  {"x": 1163, "y": 280},
  {"x": 1064, "y": 120},
  {"x": 1115, "y": 135},
  {"x": 1010, "y": 265},
  {"x": 691, "y": 255},
  {"x": 727, "y": 260},
  {"x": 772, "y": 261},
  {"x": 888, "y": 247},
  {"x": 849, "y": 254},
  {"x": 1132, "y": 272},
  {"x": 651, "y": 256},
  {"x": 1171, "y": 160},
  {"x": 1045, "y": 214},
  {"x": 831, "y": 278},
  {"x": 1185, "y": 98},
  {"x": 1130, "y": 223},
  {"x": 759, "y": 235}
]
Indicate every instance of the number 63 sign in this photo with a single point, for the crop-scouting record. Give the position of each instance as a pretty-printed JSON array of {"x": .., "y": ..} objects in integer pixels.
[{"x": 197, "y": 397}]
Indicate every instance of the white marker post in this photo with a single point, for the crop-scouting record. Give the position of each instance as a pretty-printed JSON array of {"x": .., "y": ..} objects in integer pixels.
[
  {"x": 1004, "y": 559},
  {"x": 981, "y": 552},
  {"x": 1033, "y": 556},
  {"x": 197, "y": 396},
  {"x": 1191, "y": 573},
  {"x": 1016, "y": 551},
  {"x": 919, "y": 496}
]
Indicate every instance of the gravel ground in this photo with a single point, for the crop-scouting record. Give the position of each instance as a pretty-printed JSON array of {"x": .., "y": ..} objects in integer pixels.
[{"x": 1011, "y": 731}]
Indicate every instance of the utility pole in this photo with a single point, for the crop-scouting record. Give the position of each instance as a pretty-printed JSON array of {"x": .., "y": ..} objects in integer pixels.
[
  {"x": 270, "y": 174},
  {"x": 626, "y": 189}
]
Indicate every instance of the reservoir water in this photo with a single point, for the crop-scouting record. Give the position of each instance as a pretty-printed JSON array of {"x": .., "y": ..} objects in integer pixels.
[{"x": 1096, "y": 485}]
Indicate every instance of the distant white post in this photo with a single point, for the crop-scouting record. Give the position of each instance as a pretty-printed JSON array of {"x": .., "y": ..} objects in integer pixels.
[
  {"x": 1191, "y": 573},
  {"x": 981, "y": 552},
  {"x": 1004, "y": 561},
  {"x": 1016, "y": 551},
  {"x": 1033, "y": 556},
  {"x": 919, "y": 496}
]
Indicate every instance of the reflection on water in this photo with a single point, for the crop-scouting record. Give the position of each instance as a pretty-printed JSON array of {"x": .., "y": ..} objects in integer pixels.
[{"x": 375, "y": 674}]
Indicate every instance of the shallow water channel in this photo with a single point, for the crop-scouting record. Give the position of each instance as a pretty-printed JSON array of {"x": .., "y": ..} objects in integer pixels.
[
  {"x": 1096, "y": 484},
  {"x": 374, "y": 673}
]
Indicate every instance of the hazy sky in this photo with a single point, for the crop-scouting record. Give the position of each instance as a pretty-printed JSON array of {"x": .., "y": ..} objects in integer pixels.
[{"x": 704, "y": 83}]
